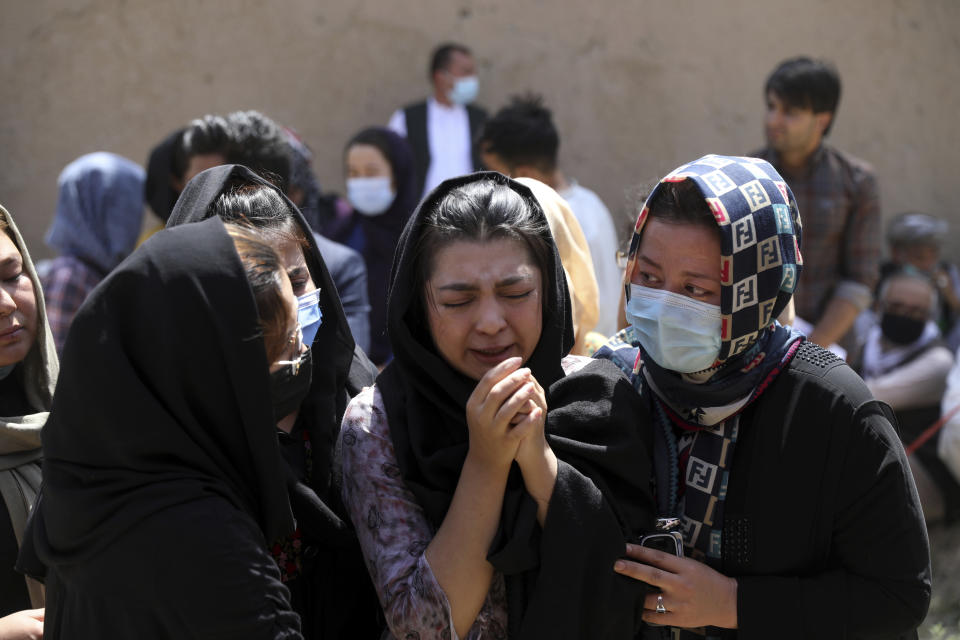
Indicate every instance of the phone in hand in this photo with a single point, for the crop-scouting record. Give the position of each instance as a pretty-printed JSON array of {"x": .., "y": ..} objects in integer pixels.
[
  {"x": 668, "y": 542},
  {"x": 666, "y": 537}
]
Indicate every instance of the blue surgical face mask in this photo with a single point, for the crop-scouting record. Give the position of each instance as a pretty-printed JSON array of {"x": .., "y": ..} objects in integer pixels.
[
  {"x": 679, "y": 333},
  {"x": 309, "y": 315},
  {"x": 370, "y": 196},
  {"x": 464, "y": 90}
]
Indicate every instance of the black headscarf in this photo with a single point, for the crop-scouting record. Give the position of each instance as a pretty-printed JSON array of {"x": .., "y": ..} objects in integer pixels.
[
  {"x": 335, "y": 596},
  {"x": 591, "y": 426},
  {"x": 163, "y": 399},
  {"x": 419, "y": 383},
  {"x": 340, "y": 369}
]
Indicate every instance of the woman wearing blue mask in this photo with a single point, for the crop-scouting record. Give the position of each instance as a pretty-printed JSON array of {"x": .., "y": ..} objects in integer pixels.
[
  {"x": 796, "y": 505},
  {"x": 381, "y": 189},
  {"x": 320, "y": 563}
]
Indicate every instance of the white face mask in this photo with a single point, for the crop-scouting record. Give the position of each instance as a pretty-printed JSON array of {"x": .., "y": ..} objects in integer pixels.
[
  {"x": 679, "y": 333},
  {"x": 370, "y": 196},
  {"x": 464, "y": 90}
]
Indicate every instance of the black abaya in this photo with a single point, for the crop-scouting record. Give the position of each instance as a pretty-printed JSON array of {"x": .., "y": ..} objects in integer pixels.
[
  {"x": 333, "y": 594},
  {"x": 162, "y": 475}
]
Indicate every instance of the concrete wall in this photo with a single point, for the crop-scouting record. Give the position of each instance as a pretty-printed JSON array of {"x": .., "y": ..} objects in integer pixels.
[{"x": 637, "y": 86}]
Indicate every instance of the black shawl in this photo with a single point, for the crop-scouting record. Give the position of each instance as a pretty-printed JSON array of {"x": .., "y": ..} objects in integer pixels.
[
  {"x": 162, "y": 473},
  {"x": 163, "y": 398},
  {"x": 335, "y": 594},
  {"x": 560, "y": 581},
  {"x": 340, "y": 369}
]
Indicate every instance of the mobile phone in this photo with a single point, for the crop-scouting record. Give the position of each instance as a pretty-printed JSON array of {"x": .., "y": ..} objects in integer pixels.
[{"x": 666, "y": 541}]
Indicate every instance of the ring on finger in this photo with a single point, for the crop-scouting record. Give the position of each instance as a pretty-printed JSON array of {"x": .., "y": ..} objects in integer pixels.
[{"x": 660, "y": 607}]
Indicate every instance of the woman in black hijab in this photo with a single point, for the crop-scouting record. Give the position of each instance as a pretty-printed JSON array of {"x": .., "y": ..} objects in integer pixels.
[
  {"x": 381, "y": 188},
  {"x": 490, "y": 478},
  {"x": 162, "y": 476},
  {"x": 320, "y": 562}
]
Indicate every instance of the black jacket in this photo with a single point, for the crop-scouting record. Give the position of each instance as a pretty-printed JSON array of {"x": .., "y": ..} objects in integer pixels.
[{"x": 823, "y": 526}]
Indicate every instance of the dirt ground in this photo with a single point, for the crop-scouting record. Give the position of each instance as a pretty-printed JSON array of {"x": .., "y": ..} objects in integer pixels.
[{"x": 943, "y": 620}]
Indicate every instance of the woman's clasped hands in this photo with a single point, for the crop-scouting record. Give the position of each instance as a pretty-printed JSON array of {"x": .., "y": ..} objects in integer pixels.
[
  {"x": 506, "y": 414},
  {"x": 505, "y": 409}
]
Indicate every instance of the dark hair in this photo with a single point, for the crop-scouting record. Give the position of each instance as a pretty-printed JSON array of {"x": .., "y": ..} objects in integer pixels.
[
  {"x": 478, "y": 212},
  {"x": 242, "y": 137},
  {"x": 179, "y": 159},
  {"x": 522, "y": 133},
  {"x": 442, "y": 54},
  {"x": 263, "y": 269},
  {"x": 682, "y": 203},
  {"x": 260, "y": 207},
  {"x": 378, "y": 138},
  {"x": 209, "y": 134},
  {"x": 806, "y": 83}
]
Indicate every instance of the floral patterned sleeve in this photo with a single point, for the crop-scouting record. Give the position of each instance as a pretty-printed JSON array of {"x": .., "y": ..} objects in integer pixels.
[{"x": 394, "y": 533}]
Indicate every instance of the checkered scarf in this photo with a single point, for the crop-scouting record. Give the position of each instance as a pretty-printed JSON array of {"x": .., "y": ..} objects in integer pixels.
[
  {"x": 698, "y": 424},
  {"x": 760, "y": 242}
]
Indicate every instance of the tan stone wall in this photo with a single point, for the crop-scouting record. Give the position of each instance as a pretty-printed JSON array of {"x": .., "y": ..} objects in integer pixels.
[{"x": 637, "y": 87}]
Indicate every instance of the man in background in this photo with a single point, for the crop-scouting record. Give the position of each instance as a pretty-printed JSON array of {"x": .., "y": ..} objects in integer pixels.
[
  {"x": 255, "y": 141},
  {"x": 905, "y": 364},
  {"x": 836, "y": 193},
  {"x": 241, "y": 137},
  {"x": 441, "y": 129},
  {"x": 915, "y": 239},
  {"x": 521, "y": 141}
]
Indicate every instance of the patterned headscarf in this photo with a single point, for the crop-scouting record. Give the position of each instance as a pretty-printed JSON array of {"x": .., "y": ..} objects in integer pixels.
[
  {"x": 698, "y": 422},
  {"x": 760, "y": 242}
]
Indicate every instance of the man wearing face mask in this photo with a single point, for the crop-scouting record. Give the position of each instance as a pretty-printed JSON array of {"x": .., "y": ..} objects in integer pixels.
[
  {"x": 442, "y": 128},
  {"x": 905, "y": 364},
  {"x": 915, "y": 239}
]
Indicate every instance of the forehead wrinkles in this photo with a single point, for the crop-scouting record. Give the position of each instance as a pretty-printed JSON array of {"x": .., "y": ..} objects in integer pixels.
[
  {"x": 481, "y": 264},
  {"x": 489, "y": 275}
]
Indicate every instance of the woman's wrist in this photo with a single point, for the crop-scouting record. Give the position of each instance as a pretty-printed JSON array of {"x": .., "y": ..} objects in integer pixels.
[
  {"x": 730, "y": 610},
  {"x": 540, "y": 475},
  {"x": 485, "y": 466}
]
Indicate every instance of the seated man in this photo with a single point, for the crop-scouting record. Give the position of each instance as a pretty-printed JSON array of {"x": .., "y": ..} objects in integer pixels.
[
  {"x": 915, "y": 239},
  {"x": 905, "y": 364}
]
